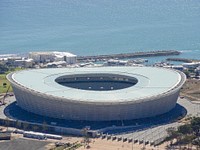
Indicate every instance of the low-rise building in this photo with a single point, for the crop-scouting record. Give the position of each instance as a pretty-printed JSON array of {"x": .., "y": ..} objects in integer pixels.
[
  {"x": 198, "y": 70},
  {"x": 57, "y": 64},
  {"x": 65, "y": 56},
  {"x": 116, "y": 62},
  {"x": 41, "y": 57},
  {"x": 192, "y": 65},
  {"x": 178, "y": 67},
  {"x": 26, "y": 63},
  {"x": 45, "y": 57},
  {"x": 11, "y": 60}
]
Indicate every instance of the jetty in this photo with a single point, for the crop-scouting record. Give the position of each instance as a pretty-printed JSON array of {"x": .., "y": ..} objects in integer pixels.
[
  {"x": 183, "y": 60},
  {"x": 130, "y": 55}
]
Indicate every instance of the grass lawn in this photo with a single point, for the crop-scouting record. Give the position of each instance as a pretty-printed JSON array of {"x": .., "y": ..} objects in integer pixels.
[{"x": 3, "y": 80}]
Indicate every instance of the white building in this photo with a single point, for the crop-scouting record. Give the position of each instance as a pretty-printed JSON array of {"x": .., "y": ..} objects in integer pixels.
[
  {"x": 42, "y": 57},
  {"x": 24, "y": 63},
  {"x": 65, "y": 56}
]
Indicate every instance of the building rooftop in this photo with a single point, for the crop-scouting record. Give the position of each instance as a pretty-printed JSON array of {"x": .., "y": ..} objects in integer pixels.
[
  {"x": 56, "y": 53},
  {"x": 62, "y": 54}
]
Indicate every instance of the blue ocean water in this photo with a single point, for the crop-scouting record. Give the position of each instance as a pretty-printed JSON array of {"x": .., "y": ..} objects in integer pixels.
[{"x": 90, "y": 27}]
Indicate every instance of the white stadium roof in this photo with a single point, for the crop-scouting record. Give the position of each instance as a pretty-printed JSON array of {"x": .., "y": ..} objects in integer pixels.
[{"x": 151, "y": 82}]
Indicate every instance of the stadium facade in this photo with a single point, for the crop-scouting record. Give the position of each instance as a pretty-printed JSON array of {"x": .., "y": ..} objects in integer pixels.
[{"x": 97, "y": 94}]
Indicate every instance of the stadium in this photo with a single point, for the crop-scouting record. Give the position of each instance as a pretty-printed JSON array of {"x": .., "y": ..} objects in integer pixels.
[{"x": 97, "y": 94}]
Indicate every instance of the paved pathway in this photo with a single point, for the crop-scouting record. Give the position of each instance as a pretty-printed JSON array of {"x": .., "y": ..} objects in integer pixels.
[{"x": 157, "y": 133}]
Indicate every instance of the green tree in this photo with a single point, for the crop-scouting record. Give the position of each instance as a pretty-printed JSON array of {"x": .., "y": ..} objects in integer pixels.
[
  {"x": 185, "y": 129},
  {"x": 196, "y": 142},
  {"x": 187, "y": 134},
  {"x": 173, "y": 134},
  {"x": 3, "y": 68},
  {"x": 187, "y": 73},
  {"x": 187, "y": 140},
  {"x": 195, "y": 124}
]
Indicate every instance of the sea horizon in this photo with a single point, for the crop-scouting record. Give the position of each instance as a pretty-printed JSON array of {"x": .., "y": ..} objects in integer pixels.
[{"x": 88, "y": 27}]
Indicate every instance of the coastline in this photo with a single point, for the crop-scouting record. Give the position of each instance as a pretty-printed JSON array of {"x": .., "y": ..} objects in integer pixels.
[{"x": 153, "y": 56}]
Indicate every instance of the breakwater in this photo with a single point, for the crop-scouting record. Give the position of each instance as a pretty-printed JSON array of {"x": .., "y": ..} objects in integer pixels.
[
  {"x": 130, "y": 55},
  {"x": 183, "y": 60}
]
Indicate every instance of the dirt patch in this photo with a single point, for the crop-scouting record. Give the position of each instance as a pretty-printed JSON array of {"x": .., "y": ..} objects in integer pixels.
[
  {"x": 103, "y": 144},
  {"x": 191, "y": 89},
  {"x": 23, "y": 144}
]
